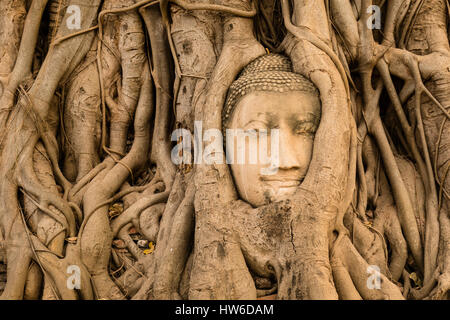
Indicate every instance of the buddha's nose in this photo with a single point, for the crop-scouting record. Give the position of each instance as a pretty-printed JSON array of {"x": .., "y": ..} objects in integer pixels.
[{"x": 288, "y": 157}]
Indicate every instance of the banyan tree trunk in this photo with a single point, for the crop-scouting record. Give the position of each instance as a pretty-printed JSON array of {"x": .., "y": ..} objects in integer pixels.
[
  {"x": 89, "y": 128},
  {"x": 429, "y": 37}
]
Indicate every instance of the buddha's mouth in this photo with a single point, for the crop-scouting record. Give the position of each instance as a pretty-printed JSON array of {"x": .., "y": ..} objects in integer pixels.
[{"x": 281, "y": 182}]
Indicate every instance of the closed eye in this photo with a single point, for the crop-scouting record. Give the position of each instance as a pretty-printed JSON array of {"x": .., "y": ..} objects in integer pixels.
[{"x": 308, "y": 128}]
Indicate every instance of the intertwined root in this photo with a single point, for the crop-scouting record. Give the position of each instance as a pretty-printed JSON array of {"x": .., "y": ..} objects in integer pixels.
[{"x": 113, "y": 192}]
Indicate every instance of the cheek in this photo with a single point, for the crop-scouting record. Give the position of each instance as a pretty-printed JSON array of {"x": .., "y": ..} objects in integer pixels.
[
  {"x": 248, "y": 184},
  {"x": 304, "y": 148},
  {"x": 245, "y": 175}
]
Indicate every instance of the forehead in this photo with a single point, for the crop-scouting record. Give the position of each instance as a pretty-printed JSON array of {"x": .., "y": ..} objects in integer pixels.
[{"x": 290, "y": 104}]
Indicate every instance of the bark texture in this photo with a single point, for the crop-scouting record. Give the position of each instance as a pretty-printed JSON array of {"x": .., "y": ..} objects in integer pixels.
[{"x": 92, "y": 205}]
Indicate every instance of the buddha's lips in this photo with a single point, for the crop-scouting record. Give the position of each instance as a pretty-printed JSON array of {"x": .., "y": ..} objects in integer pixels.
[{"x": 282, "y": 182}]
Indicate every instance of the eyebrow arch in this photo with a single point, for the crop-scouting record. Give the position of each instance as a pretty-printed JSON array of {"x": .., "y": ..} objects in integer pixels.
[
  {"x": 268, "y": 118},
  {"x": 255, "y": 120}
]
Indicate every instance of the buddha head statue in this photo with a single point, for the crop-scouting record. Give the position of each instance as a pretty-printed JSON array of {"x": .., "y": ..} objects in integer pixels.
[{"x": 268, "y": 96}]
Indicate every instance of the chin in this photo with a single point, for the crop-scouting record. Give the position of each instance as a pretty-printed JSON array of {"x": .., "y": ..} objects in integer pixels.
[
  {"x": 285, "y": 194},
  {"x": 275, "y": 195}
]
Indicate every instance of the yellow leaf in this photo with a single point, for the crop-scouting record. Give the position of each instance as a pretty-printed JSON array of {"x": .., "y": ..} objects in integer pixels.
[{"x": 151, "y": 248}]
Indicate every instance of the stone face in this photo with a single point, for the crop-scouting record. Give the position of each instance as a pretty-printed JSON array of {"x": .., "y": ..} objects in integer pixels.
[
  {"x": 295, "y": 116},
  {"x": 273, "y": 114}
]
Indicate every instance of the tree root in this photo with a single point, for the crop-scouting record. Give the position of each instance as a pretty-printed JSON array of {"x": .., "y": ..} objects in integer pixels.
[
  {"x": 161, "y": 72},
  {"x": 22, "y": 67},
  {"x": 357, "y": 270},
  {"x": 136, "y": 209}
]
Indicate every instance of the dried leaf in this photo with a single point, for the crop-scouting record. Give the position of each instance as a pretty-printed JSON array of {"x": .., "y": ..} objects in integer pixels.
[
  {"x": 142, "y": 243},
  {"x": 118, "y": 243},
  {"x": 151, "y": 248},
  {"x": 417, "y": 281},
  {"x": 115, "y": 210}
]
